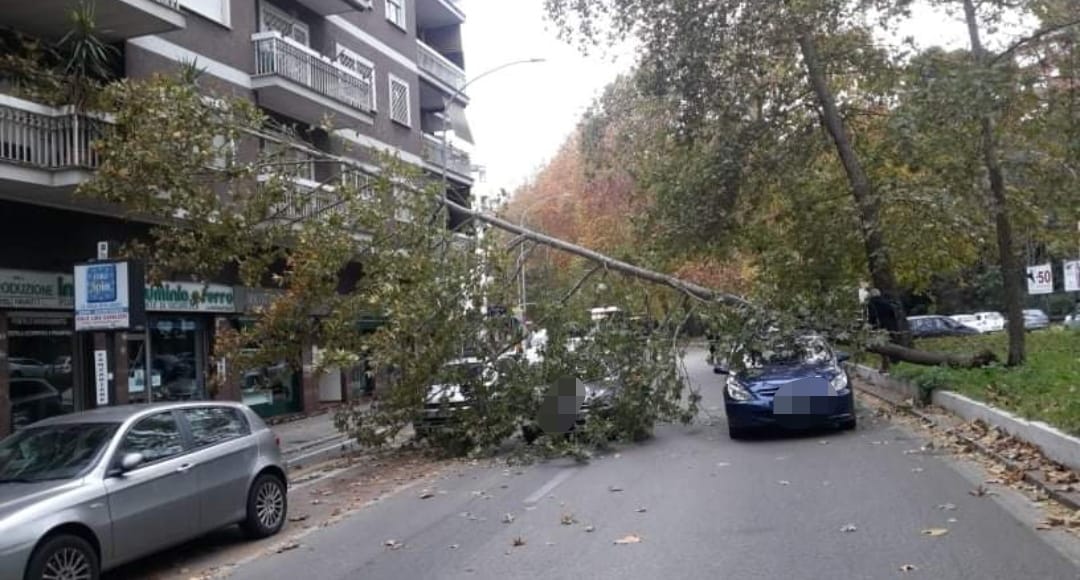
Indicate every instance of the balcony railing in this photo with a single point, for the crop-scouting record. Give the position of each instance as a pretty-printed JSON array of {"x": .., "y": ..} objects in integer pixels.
[
  {"x": 47, "y": 138},
  {"x": 439, "y": 66},
  {"x": 457, "y": 161},
  {"x": 284, "y": 57}
]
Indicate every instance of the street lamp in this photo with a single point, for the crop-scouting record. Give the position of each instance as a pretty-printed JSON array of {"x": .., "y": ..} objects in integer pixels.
[
  {"x": 445, "y": 157},
  {"x": 521, "y": 248}
]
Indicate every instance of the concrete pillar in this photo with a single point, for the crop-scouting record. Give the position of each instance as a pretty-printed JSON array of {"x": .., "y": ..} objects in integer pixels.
[
  {"x": 120, "y": 368},
  {"x": 309, "y": 382},
  {"x": 5, "y": 386}
]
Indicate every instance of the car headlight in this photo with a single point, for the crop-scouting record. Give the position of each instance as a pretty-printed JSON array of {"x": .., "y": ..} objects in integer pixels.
[
  {"x": 839, "y": 383},
  {"x": 736, "y": 390}
]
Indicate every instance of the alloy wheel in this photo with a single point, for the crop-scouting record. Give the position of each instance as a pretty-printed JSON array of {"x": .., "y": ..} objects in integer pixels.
[
  {"x": 67, "y": 564},
  {"x": 269, "y": 504}
]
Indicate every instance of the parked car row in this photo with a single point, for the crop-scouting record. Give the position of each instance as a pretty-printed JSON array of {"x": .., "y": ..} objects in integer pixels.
[{"x": 936, "y": 325}]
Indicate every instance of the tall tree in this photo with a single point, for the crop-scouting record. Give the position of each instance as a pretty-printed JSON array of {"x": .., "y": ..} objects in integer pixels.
[{"x": 755, "y": 65}]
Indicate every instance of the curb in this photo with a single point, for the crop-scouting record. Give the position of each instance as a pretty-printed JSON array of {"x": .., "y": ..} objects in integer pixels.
[{"x": 970, "y": 410}]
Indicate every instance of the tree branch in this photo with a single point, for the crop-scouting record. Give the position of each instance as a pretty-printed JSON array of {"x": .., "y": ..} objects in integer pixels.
[{"x": 1038, "y": 34}]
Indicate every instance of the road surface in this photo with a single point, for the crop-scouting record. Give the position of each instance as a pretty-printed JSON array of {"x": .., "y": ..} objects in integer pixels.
[{"x": 820, "y": 505}]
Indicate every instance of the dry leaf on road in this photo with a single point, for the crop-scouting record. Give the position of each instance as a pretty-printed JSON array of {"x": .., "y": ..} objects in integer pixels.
[
  {"x": 393, "y": 544},
  {"x": 629, "y": 539},
  {"x": 590, "y": 529},
  {"x": 508, "y": 519},
  {"x": 935, "y": 532},
  {"x": 641, "y": 510},
  {"x": 848, "y": 528},
  {"x": 287, "y": 546},
  {"x": 568, "y": 520},
  {"x": 947, "y": 507},
  {"x": 614, "y": 488},
  {"x": 908, "y": 568},
  {"x": 518, "y": 541},
  {"x": 298, "y": 518},
  {"x": 427, "y": 494},
  {"x": 784, "y": 482}
]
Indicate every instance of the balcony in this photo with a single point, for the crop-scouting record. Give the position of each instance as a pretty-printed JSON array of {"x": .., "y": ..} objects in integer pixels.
[
  {"x": 331, "y": 7},
  {"x": 436, "y": 13},
  {"x": 115, "y": 19},
  {"x": 43, "y": 148},
  {"x": 294, "y": 80},
  {"x": 438, "y": 70},
  {"x": 457, "y": 162}
]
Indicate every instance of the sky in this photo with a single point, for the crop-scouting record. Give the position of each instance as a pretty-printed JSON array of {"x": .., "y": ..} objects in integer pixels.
[{"x": 521, "y": 115}]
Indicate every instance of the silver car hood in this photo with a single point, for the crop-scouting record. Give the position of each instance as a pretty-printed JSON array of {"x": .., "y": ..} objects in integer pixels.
[{"x": 15, "y": 497}]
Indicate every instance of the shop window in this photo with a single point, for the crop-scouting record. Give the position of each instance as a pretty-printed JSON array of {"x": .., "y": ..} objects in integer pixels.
[
  {"x": 40, "y": 366},
  {"x": 273, "y": 389},
  {"x": 175, "y": 359}
]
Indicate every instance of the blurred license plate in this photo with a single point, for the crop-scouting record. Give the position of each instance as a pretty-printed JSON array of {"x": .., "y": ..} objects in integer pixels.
[{"x": 802, "y": 405}]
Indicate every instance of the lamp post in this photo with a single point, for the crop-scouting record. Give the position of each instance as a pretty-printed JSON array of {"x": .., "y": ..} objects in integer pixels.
[
  {"x": 445, "y": 153},
  {"x": 521, "y": 248}
]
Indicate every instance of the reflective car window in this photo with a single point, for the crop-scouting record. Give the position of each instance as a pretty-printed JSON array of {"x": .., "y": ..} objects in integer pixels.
[
  {"x": 212, "y": 425},
  {"x": 156, "y": 437},
  {"x": 53, "y": 452}
]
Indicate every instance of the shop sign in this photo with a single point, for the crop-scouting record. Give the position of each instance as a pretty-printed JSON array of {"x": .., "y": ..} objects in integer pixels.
[
  {"x": 25, "y": 289},
  {"x": 190, "y": 297},
  {"x": 102, "y": 296},
  {"x": 256, "y": 300}
]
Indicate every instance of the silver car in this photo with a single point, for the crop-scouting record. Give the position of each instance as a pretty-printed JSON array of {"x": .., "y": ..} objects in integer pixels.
[{"x": 86, "y": 492}]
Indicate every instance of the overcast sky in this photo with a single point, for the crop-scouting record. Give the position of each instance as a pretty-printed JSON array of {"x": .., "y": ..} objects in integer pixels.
[{"x": 521, "y": 115}]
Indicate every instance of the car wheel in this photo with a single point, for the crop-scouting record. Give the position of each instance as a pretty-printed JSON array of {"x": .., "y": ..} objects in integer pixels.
[
  {"x": 848, "y": 425},
  {"x": 64, "y": 556},
  {"x": 266, "y": 507},
  {"x": 530, "y": 433}
]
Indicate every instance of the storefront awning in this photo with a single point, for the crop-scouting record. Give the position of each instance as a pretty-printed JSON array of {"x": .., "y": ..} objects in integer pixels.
[{"x": 459, "y": 123}]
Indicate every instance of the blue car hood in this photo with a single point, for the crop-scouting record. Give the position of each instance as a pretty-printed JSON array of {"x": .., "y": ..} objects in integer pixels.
[{"x": 772, "y": 377}]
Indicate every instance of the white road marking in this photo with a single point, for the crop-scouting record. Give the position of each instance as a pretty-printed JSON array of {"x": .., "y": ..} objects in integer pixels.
[{"x": 549, "y": 486}]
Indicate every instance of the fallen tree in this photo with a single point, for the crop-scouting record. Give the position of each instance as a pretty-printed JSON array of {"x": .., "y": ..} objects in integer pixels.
[{"x": 892, "y": 350}]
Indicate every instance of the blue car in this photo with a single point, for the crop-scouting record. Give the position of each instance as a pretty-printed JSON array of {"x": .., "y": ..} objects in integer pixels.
[{"x": 797, "y": 386}]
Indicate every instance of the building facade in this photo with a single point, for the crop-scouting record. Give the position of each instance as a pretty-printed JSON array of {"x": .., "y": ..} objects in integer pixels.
[{"x": 388, "y": 74}]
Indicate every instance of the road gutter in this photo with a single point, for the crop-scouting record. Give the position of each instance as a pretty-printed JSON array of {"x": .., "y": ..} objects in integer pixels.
[{"x": 1032, "y": 477}]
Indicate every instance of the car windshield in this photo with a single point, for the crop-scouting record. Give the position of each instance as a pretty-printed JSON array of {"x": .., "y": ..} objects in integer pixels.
[
  {"x": 62, "y": 451},
  {"x": 803, "y": 351}
]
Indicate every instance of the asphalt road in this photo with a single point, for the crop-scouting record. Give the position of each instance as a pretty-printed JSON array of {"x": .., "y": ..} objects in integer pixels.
[{"x": 703, "y": 507}]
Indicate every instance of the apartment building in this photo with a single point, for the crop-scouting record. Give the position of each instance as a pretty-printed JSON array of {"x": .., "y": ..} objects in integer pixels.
[{"x": 388, "y": 73}]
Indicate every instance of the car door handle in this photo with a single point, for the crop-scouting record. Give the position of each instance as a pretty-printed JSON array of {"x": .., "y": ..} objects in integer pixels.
[{"x": 184, "y": 468}]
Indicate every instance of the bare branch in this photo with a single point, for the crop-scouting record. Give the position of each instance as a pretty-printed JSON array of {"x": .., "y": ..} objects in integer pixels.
[{"x": 1035, "y": 36}]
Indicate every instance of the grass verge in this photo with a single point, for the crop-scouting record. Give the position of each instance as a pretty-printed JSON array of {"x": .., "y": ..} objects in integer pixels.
[{"x": 1047, "y": 388}]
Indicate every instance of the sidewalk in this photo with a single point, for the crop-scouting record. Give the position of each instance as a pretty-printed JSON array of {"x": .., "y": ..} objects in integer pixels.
[{"x": 311, "y": 438}]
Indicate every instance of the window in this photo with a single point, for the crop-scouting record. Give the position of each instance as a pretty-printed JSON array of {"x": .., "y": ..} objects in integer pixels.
[
  {"x": 400, "y": 103},
  {"x": 361, "y": 66},
  {"x": 157, "y": 437},
  {"x": 213, "y": 425},
  {"x": 395, "y": 12},
  {"x": 216, "y": 10},
  {"x": 273, "y": 19}
]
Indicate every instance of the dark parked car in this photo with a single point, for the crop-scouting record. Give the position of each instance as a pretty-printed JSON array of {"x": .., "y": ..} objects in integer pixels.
[
  {"x": 930, "y": 326},
  {"x": 86, "y": 492},
  {"x": 33, "y": 400},
  {"x": 795, "y": 386}
]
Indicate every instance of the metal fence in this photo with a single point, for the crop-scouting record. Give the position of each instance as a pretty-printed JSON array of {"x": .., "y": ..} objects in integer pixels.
[
  {"x": 48, "y": 141},
  {"x": 284, "y": 57}
]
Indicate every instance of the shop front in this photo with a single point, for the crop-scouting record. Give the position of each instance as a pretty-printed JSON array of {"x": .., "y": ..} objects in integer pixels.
[
  {"x": 38, "y": 340},
  {"x": 271, "y": 390}
]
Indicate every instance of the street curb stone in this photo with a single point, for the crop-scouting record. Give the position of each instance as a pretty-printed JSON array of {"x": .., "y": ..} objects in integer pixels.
[{"x": 1055, "y": 445}]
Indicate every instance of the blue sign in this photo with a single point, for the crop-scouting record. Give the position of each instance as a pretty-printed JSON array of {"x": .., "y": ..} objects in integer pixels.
[{"x": 101, "y": 283}]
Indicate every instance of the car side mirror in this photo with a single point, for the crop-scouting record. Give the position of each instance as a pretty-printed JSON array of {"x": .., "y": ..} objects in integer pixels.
[
  {"x": 131, "y": 461},
  {"x": 842, "y": 356},
  {"x": 721, "y": 370}
]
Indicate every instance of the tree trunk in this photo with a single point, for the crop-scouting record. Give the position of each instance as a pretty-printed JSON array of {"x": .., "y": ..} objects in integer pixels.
[
  {"x": 1011, "y": 273},
  {"x": 922, "y": 357},
  {"x": 866, "y": 200}
]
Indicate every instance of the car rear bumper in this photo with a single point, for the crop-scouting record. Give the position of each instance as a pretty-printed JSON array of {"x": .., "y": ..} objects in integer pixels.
[{"x": 759, "y": 413}]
